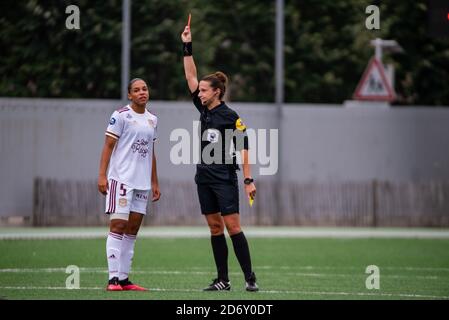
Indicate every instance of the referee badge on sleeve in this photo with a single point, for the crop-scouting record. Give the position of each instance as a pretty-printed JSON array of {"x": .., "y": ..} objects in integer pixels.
[{"x": 240, "y": 125}]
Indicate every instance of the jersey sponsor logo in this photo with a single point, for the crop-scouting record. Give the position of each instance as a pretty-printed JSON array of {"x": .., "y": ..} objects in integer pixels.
[
  {"x": 213, "y": 135},
  {"x": 141, "y": 147},
  {"x": 141, "y": 197},
  {"x": 122, "y": 202},
  {"x": 240, "y": 125},
  {"x": 112, "y": 121}
]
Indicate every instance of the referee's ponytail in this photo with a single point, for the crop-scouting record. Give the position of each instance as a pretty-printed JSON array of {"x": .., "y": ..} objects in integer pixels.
[{"x": 217, "y": 80}]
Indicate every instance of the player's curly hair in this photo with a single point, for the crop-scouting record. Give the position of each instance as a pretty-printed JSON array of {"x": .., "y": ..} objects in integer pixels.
[{"x": 217, "y": 80}]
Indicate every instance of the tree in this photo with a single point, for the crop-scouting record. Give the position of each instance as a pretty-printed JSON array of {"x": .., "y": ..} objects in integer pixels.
[{"x": 326, "y": 48}]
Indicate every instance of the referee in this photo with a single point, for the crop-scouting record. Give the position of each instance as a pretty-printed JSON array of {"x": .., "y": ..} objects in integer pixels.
[{"x": 216, "y": 176}]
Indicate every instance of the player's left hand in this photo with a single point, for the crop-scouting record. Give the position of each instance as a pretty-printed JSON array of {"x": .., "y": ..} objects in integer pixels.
[{"x": 156, "y": 193}]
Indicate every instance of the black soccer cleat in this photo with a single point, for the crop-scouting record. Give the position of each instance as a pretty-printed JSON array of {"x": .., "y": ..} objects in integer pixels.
[
  {"x": 218, "y": 285},
  {"x": 251, "y": 284}
]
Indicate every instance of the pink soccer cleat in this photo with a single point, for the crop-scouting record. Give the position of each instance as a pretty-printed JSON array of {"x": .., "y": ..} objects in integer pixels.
[
  {"x": 114, "y": 285},
  {"x": 127, "y": 285}
]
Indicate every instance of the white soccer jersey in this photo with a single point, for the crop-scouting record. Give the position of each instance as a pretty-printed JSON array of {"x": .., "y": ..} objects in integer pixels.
[{"x": 131, "y": 160}]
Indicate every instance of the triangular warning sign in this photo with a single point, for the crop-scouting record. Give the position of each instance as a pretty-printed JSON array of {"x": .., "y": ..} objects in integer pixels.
[{"x": 374, "y": 84}]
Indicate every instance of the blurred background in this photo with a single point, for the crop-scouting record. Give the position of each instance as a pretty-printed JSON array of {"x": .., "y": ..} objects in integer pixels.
[{"x": 341, "y": 162}]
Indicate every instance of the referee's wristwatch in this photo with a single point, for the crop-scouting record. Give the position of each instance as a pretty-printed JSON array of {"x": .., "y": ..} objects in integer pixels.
[{"x": 248, "y": 181}]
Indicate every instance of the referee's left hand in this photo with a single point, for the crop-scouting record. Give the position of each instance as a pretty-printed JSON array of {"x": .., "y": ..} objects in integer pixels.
[
  {"x": 250, "y": 190},
  {"x": 156, "y": 193}
]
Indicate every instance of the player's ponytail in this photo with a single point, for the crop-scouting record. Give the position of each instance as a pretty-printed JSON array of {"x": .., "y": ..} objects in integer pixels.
[{"x": 217, "y": 80}]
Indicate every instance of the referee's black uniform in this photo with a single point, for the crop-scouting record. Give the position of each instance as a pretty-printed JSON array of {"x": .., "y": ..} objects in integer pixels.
[{"x": 216, "y": 176}]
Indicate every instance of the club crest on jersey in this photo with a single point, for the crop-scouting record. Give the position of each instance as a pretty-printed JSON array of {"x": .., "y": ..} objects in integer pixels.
[
  {"x": 151, "y": 123},
  {"x": 112, "y": 121},
  {"x": 122, "y": 202},
  {"x": 128, "y": 116},
  {"x": 213, "y": 135},
  {"x": 240, "y": 125}
]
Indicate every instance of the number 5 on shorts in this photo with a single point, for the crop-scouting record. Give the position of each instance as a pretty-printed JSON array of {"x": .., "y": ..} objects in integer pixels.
[{"x": 122, "y": 190}]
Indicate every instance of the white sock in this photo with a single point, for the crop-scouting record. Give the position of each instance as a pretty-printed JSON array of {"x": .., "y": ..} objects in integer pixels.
[
  {"x": 113, "y": 248},
  {"x": 126, "y": 256}
]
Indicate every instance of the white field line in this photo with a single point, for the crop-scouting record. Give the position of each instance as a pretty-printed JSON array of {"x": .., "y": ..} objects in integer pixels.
[
  {"x": 187, "y": 272},
  {"x": 327, "y": 293},
  {"x": 352, "y": 268},
  {"x": 208, "y": 270},
  {"x": 198, "y": 232},
  {"x": 87, "y": 288},
  {"x": 403, "y": 295}
]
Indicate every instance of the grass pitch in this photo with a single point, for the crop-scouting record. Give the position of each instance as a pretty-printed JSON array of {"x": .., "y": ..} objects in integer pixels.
[{"x": 178, "y": 268}]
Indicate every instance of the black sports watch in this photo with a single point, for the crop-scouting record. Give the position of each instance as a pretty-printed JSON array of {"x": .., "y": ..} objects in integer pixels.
[{"x": 248, "y": 180}]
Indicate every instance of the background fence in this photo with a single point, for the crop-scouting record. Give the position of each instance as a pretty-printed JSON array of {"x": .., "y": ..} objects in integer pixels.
[
  {"x": 368, "y": 204},
  {"x": 330, "y": 160}
]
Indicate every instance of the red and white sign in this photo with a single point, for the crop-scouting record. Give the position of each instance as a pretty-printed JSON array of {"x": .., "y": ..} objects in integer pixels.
[{"x": 374, "y": 84}]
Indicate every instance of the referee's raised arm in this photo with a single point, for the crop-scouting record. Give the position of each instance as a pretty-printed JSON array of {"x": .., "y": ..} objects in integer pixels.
[{"x": 189, "y": 64}]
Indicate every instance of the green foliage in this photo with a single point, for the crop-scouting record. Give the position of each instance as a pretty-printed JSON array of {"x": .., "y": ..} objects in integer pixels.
[
  {"x": 326, "y": 48},
  {"x": 422, "y": 72},
  {"x": 44, "y": 59}
]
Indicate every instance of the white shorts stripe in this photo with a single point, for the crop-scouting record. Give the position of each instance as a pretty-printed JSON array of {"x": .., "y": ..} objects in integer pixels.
[{"x": 111, "y": 208}]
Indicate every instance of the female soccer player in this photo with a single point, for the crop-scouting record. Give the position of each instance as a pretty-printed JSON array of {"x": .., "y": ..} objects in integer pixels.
[
  {"x": 216, "y": 177},
  {"x": 129, "y": 153}
]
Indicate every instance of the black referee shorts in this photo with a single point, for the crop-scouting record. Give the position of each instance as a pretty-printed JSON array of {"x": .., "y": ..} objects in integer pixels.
[{"x": 219, "y": 197}]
